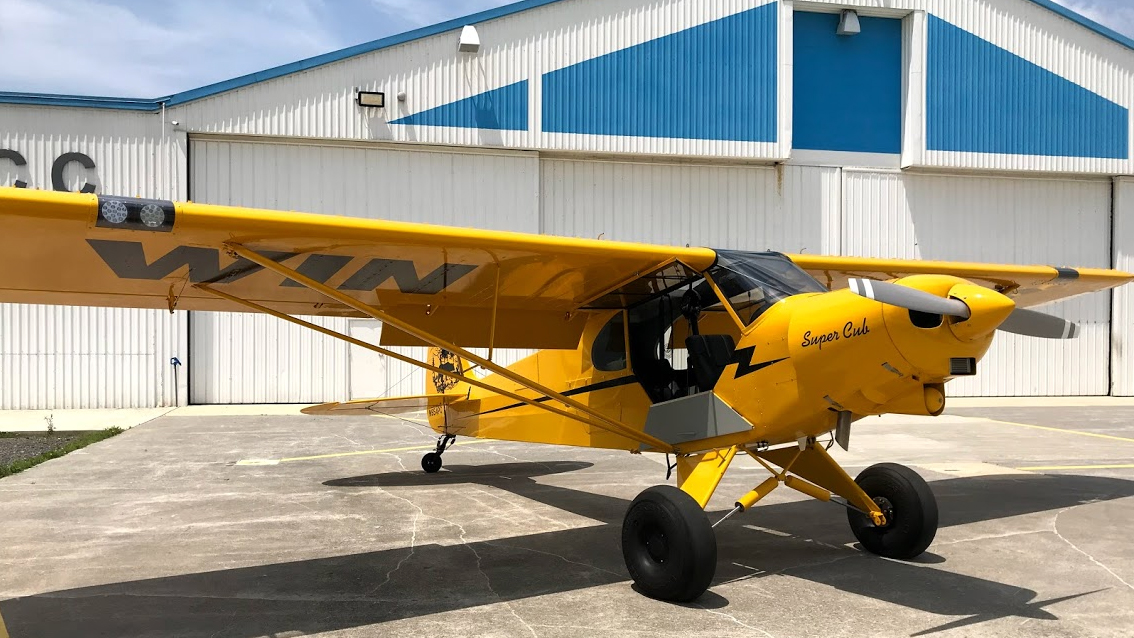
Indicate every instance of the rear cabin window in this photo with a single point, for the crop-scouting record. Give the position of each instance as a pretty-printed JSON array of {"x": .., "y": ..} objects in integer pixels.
[{"x": 608, "y": 353}]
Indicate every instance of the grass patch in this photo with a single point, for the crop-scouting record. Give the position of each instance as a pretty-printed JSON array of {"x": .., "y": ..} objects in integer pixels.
[{"x": 78, "y": 444}]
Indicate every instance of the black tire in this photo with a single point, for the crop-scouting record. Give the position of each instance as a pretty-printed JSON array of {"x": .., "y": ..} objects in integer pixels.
[
  {"x": 910, "y": 507},
  {"x": 668, "y": 545},
  {"x": 431, "y": 462}
]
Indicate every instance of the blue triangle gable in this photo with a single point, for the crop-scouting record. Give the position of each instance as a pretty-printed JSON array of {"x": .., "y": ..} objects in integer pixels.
[
  {"x": 505, "y": 109},
  {"x": 715, "y": 81},
  {"x": 982, "y": 98}
]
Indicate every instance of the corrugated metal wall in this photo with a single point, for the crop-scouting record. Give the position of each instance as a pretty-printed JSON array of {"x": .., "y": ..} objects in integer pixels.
[
  {"x": 525, "y": 46},
  {"x": 747, "y": 207},
  {"x": 242, "y": 358},
  {"x": 1122, "y": 318},
  {"x": 1056, "y": 44},
  {"x": 1007, "y": 220},
  {"x": 516, "y": 48},
  {"x": 63, "y": 357}
]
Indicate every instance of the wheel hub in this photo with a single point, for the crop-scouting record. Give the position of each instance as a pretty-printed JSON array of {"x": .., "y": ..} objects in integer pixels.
[
  {"x": 887, "y": 508},
  {"x": 656, "y": 545}
]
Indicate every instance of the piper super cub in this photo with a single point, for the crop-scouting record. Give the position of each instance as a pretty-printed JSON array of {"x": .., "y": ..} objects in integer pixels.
[{"x": 780, "y": 350}]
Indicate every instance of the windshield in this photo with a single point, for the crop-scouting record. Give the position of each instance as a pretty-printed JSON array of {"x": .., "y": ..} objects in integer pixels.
[{"x": 753, "y": 282}]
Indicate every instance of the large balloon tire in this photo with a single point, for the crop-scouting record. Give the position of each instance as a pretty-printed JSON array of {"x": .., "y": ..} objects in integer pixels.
[
  {"x": 669, "y": 545},
  {"x": 910, "y": 508}
]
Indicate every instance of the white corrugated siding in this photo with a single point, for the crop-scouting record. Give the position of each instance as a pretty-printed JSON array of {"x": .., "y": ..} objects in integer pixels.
[
  {"x": 741, "y": 207},
  {"x": 55, "y": 357},
  {"x": 64, "y": 357},
  {"x": 1007, "y": 220},
  {"x": 243, "y": 358},
  {"x": 1122, "y": 336},
  {"x": 253, "y": 358},
  {"x": 523, "y": 46}
]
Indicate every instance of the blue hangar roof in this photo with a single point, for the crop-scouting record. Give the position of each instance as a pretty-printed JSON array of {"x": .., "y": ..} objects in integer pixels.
[{"x": 154, "y": 104}]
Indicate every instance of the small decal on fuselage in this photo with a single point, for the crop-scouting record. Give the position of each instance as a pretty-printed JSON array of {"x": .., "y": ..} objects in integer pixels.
[
  {"x": 743, "y": 360},
  {"x": 849, "y": 331}
]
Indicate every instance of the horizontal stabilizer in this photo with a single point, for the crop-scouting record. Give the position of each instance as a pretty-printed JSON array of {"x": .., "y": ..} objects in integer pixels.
[{"x": 392, "y": 405}]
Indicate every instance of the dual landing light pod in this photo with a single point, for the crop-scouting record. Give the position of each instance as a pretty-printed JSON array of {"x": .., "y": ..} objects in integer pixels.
[{"x": 996, "y": 305}]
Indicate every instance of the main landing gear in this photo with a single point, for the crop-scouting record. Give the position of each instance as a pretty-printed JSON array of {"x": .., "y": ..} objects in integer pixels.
[
  {"x": 431, "y": 462},
  {"x": 669, "y": 545},
  {"x": 670, "y": 548},
  {"x": 908, "y": 505}
]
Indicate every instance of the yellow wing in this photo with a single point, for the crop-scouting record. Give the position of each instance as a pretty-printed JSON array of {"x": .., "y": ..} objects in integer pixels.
[
  {"x": 1027, "y": 285},
  {"x": 392, "y": 405},
  {"x": 79, "y": 249}
]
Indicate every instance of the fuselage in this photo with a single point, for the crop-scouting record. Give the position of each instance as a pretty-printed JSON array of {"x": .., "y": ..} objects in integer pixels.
[{"x": 796, "y": 365}]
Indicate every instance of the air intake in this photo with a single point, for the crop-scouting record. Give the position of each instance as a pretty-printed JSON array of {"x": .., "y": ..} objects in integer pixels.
[{"x": 962, "y": 367}]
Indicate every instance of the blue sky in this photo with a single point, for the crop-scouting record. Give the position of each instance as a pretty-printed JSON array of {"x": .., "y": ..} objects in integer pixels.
[{"x": 143, "y": 48}]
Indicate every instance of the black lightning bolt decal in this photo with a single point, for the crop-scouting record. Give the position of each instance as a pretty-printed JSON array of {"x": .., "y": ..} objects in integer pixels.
[{"x": 743, "y": 359}]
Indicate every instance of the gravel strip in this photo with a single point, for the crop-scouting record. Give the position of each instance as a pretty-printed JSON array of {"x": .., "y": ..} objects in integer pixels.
[{"x": 15, "y": 448}]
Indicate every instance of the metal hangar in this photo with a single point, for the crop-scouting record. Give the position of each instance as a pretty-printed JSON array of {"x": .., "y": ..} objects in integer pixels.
[{"x": 983, "y": 130}]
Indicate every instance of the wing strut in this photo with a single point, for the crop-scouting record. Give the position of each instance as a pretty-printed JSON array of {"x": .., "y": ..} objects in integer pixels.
[
  {"x": 327, "y": 291},
  {"x": 632, "y": 435},
  {"x": 597, "y": 419}
]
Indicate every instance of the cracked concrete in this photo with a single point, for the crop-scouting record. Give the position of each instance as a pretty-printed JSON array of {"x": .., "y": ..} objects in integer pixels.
[{"x": 160, "y": 531}]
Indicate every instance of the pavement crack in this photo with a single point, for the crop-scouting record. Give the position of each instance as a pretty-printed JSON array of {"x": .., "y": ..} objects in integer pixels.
[
  {"x": 514, "y": 506},
  {"x": 1055, "y": 529},
  {"x": 413, "y": 542},
  {"x": 734, "y": 619},
  {"x": 854, "y": 554},
  {"x": 989, "y": 537},
  {"x": 348, "y": 440},
  {"x": 487, "y": 579},
  {"x": 560, "y": 557}
]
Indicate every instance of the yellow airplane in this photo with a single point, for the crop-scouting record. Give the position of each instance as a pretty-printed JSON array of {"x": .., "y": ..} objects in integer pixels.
[{"x": 780, "y": 350}]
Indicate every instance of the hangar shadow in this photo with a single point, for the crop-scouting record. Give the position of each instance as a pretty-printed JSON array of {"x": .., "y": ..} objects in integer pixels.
[{"x": 356, "y": 590}]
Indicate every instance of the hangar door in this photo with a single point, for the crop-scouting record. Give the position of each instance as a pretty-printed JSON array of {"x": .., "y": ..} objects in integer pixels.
[
  {"x": 1006, "y": 220},
  {"x": 247, "y": 358},
  {"x": 718, "y": 206}
]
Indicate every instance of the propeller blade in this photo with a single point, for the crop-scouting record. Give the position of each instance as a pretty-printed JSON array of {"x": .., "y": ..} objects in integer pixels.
[
  {"x": 1038, "y": 324},
  {"x": 910, "y": 298}
]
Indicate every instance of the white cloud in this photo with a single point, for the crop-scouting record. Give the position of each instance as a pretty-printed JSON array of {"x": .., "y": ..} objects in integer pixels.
[
  {"x": 427, "y": 12},
  {"x": 1116, "y": 14},
  {"x": 93, "y": 47}
]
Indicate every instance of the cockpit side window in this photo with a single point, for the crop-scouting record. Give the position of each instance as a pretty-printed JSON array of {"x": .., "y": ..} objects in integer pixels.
[{"x": 608, "y": 353}]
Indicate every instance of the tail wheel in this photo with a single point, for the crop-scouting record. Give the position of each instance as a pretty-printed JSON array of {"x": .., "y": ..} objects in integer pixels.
[
  {"x": 669, "y": 545},
  {"x": 909, "y": 506},
  {"x": 431, "y": 462}
]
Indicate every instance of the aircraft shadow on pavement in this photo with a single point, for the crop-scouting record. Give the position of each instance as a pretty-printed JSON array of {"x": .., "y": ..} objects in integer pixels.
[{"x": 350, "y": 591}]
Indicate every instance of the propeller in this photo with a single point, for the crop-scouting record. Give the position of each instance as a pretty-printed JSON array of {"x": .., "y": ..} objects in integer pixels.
[
  {"x": 909, "y": 298},
  {"x": 1036, "y": 324},
  {"x": 1021, "y": 321}
]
